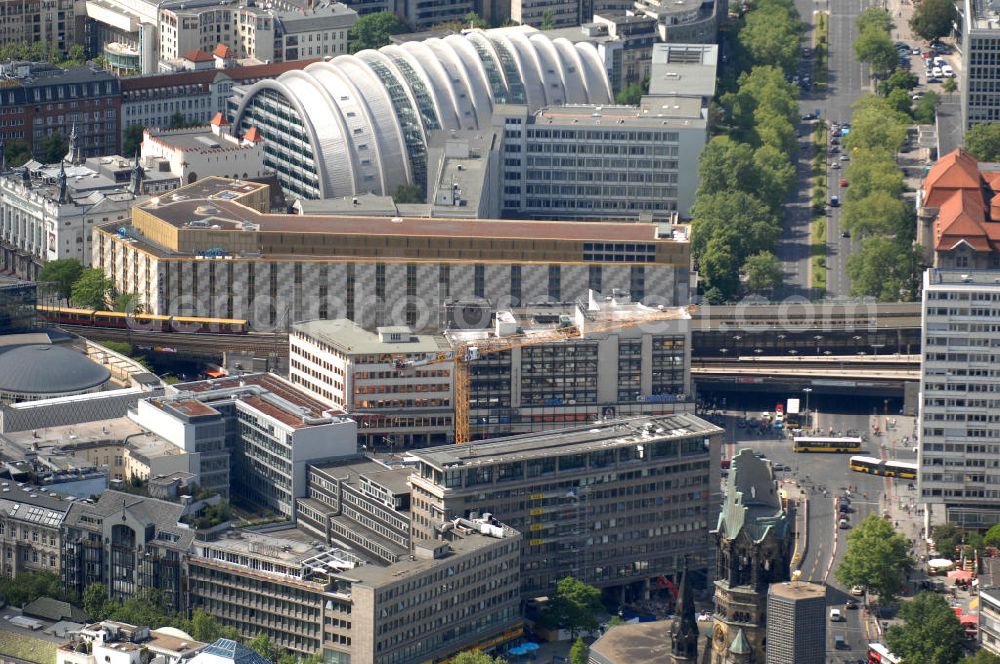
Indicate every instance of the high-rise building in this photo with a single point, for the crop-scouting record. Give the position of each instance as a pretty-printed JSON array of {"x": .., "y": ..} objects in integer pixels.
[
  {"x": 754, "y": 537},
  {"x": 977, "y": 34},
  {"x": 796, "y": 623},
  {"x": 616, "y": 503},
  {"x": 959, "y": 412}
]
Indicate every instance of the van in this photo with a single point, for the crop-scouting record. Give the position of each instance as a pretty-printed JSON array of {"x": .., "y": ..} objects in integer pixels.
[
  {"x": 839, "y": 643},
  {"x": 836, "y": 616}
]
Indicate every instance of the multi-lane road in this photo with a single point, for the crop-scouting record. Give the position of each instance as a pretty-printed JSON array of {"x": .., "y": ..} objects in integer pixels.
[{"x": 847, "y": 81}]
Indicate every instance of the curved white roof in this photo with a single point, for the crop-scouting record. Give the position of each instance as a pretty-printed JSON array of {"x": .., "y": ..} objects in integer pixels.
[{"x": 366, "y": 116}]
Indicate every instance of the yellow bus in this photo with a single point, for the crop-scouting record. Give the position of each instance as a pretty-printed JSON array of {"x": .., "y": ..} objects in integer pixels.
[{"x": 839, "y": 445}]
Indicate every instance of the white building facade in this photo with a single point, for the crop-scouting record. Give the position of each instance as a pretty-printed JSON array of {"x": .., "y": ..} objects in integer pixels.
[{"x": 201, "y": 151}]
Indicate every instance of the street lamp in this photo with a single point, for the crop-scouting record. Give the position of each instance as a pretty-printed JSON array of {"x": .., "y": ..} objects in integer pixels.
[
  {"x": 818, "y": 338},
  {"x": 807, "y": 390}
]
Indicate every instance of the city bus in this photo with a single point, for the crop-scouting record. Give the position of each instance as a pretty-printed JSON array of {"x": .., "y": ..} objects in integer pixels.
[
  {"x": 879, "y": 654},
  {"x": 901, "y": 469},
  {"x": 839, "y": 445}
]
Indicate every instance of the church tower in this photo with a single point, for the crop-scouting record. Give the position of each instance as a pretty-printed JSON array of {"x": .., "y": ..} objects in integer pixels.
[
  {"x": 684, "y": 627},
  {"x": 754, "y": 550}
]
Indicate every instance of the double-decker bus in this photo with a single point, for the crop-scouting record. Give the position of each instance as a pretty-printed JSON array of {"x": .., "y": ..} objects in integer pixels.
[
  {"x": 839, "y": 445},
  {"x": 899, "y": 469}
]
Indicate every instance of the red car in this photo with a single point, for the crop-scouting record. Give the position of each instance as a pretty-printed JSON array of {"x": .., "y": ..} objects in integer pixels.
[{"x": 843, "y": 183}]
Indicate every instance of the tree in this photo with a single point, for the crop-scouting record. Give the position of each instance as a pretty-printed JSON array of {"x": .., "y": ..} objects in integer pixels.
[
  {"x": 614, "y": 622},
  {"x": 875, "y": 125},
  {"x": 17, "y": 152},
  {"x": 128, "y": 302},
  {"x": 763, "y": 272},
  {"x": 877, "y": 557},
  {"x": 738, "y": 219},
  {"x": 950, "y": 86},
  {"x": 982, "y": 141},
  {"x": 63, "y": 273},
  {"x": 476, "y": 657},
  {"x": 925, "y": 109},
  {"x": 133, "y": 140},
  {"x": 898, "y": 80},
  {"x": 579, "y": 653},
  {"x": 879, "y": 213},
  {"x": 875, "y": 47},
  {"x": 930, "y": 634},
  {"x": 981, "y": 657},
  {"x": 95, "y": 601},
  {"x": 899, "y": 100},
  {"x": 885, "y": 268},
  {"x": 874, "y": 170},
  {"x": 264, "y": 647},
  {"x": 775, "y": 176},
  {"x": 874, "y": 18},
  {"x": 992, "y": 536},
  {"x": 408, "y": 193},
  {"x": 374, "y": 31},
  {"x": 771, "y": 35},
  {"x": 92, "y": 290},
  {"x": 55, "y": 147},
  {"x": 631, "y": 94},
  {"x": 574, "y": 606},
  {"x": 933, "y": 19},
  {"x": 29, "y": 586},
  {"x": 205, "y": 627},
  {"x": 548, "y": 20}
]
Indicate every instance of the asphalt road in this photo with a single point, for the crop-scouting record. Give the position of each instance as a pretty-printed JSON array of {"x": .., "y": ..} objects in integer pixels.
[{"x": 816, "y": 473}]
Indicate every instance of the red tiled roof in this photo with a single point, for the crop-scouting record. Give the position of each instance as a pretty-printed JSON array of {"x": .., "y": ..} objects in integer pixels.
[
  {"x": 222, "y": 51},
  {"x": 220, "y": 120},
  {"x": 253, "y": 135},
  {"x": 205, "y": 76},
  {"x": 955, "y": 170},
  {"x": 197, "y": 56},
  {"x": 962, "y": 217}
]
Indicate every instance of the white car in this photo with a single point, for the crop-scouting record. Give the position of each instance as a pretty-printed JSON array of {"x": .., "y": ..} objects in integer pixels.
[
  {"x": 857, "y": 591},
  {"x": 936, "y": 72},
  {"x": 947, "y": 71}
]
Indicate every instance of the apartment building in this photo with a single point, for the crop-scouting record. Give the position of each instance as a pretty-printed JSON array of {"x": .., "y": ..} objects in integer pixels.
[
  {"x": 47, "y": 211},
  {"x": 278, "y": 268},
  {"x": 30, "y": 522},
  {"x": 311, "y": 598},
  {"x": 56, "y": 22},
  {"x": 685, "y": 21},
  {"x": 989, "y": 607},
  {"x": 959, "y": 409},
  {"x": 255, "y": 434},
  {"x": 623, "y": 41},
  {"x": 129, "y": 543},
  {"x": 614, "y": 504},
  {"x": 39, "y": 99},
  {"x": 977, "y": 32}
]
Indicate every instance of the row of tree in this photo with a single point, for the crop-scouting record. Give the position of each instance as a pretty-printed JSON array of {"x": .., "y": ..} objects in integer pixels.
[
  {"x": 54, "y": 147},
  {"x": 746, "y": 175},
  {"x": 43, "y": 51},
  {"x": 87, "y": 288},
  {"x": 887, "y": 265}
]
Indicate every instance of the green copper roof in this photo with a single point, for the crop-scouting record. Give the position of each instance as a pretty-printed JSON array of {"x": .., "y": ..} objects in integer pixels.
[
  {"x": 740, "y": 644},
  {"x": 752, "y": 500}
]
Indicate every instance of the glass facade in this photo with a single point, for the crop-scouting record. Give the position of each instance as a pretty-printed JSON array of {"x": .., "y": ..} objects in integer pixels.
[{"x": 287, "y": 150}]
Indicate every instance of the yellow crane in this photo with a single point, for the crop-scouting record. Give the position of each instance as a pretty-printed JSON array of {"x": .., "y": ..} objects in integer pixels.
[{"x": 464, "y": 353}]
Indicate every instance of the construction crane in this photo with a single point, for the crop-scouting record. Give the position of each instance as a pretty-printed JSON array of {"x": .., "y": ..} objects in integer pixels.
[{"x": 464, "y": 353}]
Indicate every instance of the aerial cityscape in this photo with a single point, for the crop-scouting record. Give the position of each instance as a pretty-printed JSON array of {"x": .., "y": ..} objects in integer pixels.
[{"x": 476, "y": 332}]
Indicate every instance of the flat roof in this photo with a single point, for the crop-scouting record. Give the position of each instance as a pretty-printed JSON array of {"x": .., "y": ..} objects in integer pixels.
[
  {"x": 971, "y": 279},
  {"x": 348, "y": 337},
  {"x": 652, "y": 112},
  {"x": 574, "y": 440},
  {"x": 215, "y": 195},
  {"x": 683, "y": 69},
  {"x": 396, "y": 480},
  {"x": 201, "y": 139},
  {"x": 641, "y": 643},
  {"x": 796, "y": 590}
]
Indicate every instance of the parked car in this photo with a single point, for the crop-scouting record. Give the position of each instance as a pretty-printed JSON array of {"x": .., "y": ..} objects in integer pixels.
[
  {"x": 836, "y": 615},
  {"x": 850, "y": 605},
  {"x": 835, "y": 165},
  {"x": 947, "y": 71},
  {"x": 843, "y": 182},
  {"x": 857, "y": 591},
  {"x": 834, "y": 201},
  {"x": 846, "y": 234}
]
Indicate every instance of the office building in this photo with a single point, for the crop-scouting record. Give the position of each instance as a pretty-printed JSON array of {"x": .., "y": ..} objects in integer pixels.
[
  {"x": 255, "y": 435},
  {"x": 40, "y": 99},
  {"x": 152, "y": 101},
  {"x": 48, "y": 211},
  {"x": 383, "y": 103},
  {"x": 977, "y": 29},
  {"x": 130, "y": 544},
  {"x": 754, "y": 536},
  {"x": 205, "y": 150},
  {"x": 958, "y": 213},
  {"x": 989, "y": 606},
  {"x": 110, "y": 642},
  {"x": 455, "y": 592},
  {"x": 58, "y": 22},
  {"x": 30, "y": 520},
  {"x": 17, "y": 306},
  {"x": 685, "y": 21},
  {"x": 796, "y": 623},
  {"x": 273, "y": 269},
  {"x": 958, "y": 413},
  {"x": 230, "y": 31},
  {"x": 615, "y": 503}
]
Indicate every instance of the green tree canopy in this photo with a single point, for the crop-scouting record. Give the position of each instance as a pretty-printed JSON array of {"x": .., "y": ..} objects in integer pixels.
[
  {"x": 886, "y": 269},
  {"x": 933, "y": 19},
  {"x": 899, "y": 101},
  {"x": 63, "y": 273},
  {"x": 16, "y": 152},
  {"x": 879, "y": 213},
  {"x": 408, "y": 193},
  {"x": 54, "y": 148},
  {"x": 631, "y": 94},
  {"x": 771, "y": 35},
  {"x": 95, "y": 601},
  {"x": 92, "y": 290},
  {"x": 982, "y": 141},
  {"x": 26, "y": 587},
  {"x": 981, "y": 657},
  {"x": 950, "y": 86},
  {"x": 925, "y": 109},
  {"x": 775, "y": 174},
  {"x": 579, "y": 653},
  {"x": 738, "y": 219},
  {"x": 763, "y": 272},
  {"x": 874, "y": 18},
  {"x": 992, "y": 536},
  {"x": 877, "y": 557},
  {"x": 930, "y": 633},
  {"x": 726, "y": 165},
  {"x": 874, "y": 125},
  {"x": 898, "y": 80},
  {"x": 574, "y": 606},
  {"x": 264, "y": 647},
  {"x": 476, "y": 657},
  {"x": 206, "y": 628},
  {"x": 875, "y": 47},
  {"x": 874, "y": 170},
  {"x": 374, "y": 31},
  {"x": 133, "y": 140}
]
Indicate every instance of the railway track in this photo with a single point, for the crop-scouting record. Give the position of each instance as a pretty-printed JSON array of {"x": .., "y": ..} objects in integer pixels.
[{"x": 196, "y": 344}]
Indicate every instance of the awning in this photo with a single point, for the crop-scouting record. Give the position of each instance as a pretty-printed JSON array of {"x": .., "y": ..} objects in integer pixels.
[
  {"x": 212, "y": 373},
  {"x": 969, "y": 619},
  {"x": 960, "y": 575},
  {"x": 940, "y": 563}
]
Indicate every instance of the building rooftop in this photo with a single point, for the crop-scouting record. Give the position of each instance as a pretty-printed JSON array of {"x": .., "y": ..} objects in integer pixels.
[
  {"x": 32, "y": 74},
  {"x": 193, "y": 139},
  {"x": 573, "y": 440},
  {"x": 162, "y": 516},
  {"x": 984, "y": 15},
  {"x": 641, "y": 643},
  {"x": 32, "y": 504},
  {"x": 458, "y": 164},
  {"x": 350, "y": 338},
  {"x": 752, "y": 502},
  {"x": 796, "y": 590},
  {"x": 89, "y": 183},
  {"x": 683, "y": 70},
  {"x": 959, "y": 279},
  {"x": 205, "y": 76},
  {"x": 71, "y": 438},
  {"x": 322, "y": 16},
  {"x": 48, "y": 369},
  {"x": 217, "y": 198},
  {"x": 227, "y": 651},
  {"x": 395, "y": 480}
]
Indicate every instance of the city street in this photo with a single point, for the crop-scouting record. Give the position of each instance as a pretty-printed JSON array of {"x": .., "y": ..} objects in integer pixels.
[{"x": 823, "y": 477}]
